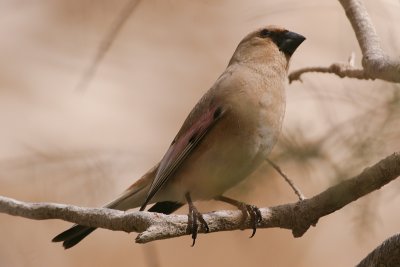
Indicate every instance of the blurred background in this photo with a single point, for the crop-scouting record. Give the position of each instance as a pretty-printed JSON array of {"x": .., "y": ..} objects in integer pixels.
[{"x": 71, "y": 134}]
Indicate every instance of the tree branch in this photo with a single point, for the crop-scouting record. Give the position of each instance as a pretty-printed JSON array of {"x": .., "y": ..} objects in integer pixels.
[
  {"x": 106, "y": 43},
  {"x": 297, "y": 217},
  {"x": 340, "y": 69},
  {"x": 376, "y": 64},
  {"x": 296, "y": 190}
]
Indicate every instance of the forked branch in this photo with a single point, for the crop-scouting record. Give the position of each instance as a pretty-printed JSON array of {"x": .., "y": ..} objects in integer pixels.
[
  {"x": 297, "y": 217},
  {"x": 376, "y": 63}
]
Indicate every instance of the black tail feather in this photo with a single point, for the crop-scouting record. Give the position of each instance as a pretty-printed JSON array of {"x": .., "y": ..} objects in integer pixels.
[
  {"x": 166, "y": 207},
  {"x": 73, "y": 235},
  {"x": 76, "y": 233}
]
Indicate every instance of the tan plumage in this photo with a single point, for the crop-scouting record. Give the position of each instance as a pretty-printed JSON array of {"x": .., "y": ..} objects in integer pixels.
[{"x": 225, "y": 137}]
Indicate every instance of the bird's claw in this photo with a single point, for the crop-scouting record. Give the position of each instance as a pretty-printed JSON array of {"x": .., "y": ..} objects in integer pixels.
[
  {"x": 194, "y": 217},
  {"x": 255, "y": 216}
]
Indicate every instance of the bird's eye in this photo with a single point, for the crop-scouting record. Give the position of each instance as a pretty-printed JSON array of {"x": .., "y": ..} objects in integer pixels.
[{"x": 265, "y": 33}]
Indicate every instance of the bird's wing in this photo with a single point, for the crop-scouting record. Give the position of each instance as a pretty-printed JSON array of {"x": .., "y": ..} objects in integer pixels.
[{"x": 196, "y": 126}]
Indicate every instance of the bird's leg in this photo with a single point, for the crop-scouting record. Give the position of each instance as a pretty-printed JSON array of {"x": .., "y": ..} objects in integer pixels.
[
  {"x": 194, "y": 217},
  {"x": 253, "y": 211}
]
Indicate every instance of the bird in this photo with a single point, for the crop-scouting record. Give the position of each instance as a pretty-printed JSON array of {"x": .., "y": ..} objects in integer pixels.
[{"x": 225, "y": 138}]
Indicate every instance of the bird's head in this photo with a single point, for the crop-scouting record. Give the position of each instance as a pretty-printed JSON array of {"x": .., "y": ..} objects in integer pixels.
[{"x": 266, "y": 44}]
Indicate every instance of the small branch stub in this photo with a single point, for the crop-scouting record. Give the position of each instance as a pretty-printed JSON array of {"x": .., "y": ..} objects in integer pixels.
[
  {"x": 376, "y": 64},
  {"x": 297, "y": 217}
]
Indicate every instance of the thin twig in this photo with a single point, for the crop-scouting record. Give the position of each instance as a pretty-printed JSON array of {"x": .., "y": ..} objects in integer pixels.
[
  {"x": 340, "y": 69},
  {"x": 106, "y": 43},
  {"x": 287, "y": 179},
  {"x": 376, "y": 63},
  {"x": 297, "y": 217}
]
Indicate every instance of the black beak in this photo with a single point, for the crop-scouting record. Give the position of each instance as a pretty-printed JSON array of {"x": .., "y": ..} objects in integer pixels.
[{"x": 289, "y": 41}]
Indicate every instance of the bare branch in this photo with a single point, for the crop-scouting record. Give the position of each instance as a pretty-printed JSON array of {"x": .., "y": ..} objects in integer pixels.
[
  {"x": 340, "y": 69},
  {"x": 387, "y": 254},
  {"x": 297, "y": 217},
  {"x": 287, "y": 179},
  {"x": 107, "y": 42},
  {"x": 376, "y": 64}
]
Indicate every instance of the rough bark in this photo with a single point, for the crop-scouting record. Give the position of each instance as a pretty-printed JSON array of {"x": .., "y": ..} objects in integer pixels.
[
  {"x": 297, "y": 217},
  {"x": 376, "y": 63}
]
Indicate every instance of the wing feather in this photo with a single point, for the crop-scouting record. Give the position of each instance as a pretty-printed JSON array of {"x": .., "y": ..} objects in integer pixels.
[{"x": 184, "y": 143}]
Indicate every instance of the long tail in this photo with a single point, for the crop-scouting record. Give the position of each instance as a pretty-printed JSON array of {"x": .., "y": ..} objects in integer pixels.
[
  {"x": 132, "y": 198},
  {"x": 76, "y": 233},
  {"x": 73, "y": 235}
]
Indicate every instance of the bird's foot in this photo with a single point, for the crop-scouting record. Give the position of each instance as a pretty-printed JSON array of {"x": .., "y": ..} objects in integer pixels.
[
  {"x": 194, "y": 217},
  {"x": 255, "y": 215},
  {"x": 253, "y": 211}
]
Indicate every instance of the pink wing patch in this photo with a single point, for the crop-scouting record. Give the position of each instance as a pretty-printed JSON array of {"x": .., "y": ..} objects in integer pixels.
[{"x": 181, "y": 147}]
